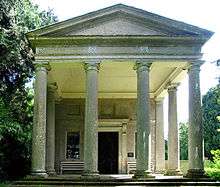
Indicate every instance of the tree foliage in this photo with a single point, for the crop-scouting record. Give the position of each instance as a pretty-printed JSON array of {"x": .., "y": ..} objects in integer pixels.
[
  {"x": 211, "y": 111},
  {"x": 16, "y": 69},
  {"x": 15, "y": 140},
  {"x": 183, "y": 131},
  {"x": 213, "y": 169}
]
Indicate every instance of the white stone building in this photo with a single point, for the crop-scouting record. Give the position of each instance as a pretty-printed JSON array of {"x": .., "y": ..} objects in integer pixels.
[{"x": 100, "y": 83}]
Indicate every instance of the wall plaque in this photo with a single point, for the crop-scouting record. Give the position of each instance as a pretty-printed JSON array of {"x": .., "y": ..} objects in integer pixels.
[{"x": 130, "y": 154}]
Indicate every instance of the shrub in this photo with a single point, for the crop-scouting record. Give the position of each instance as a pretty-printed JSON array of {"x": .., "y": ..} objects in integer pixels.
[
  {"x": 216, "y": 158},
  {"x": 213, "y": 169}
]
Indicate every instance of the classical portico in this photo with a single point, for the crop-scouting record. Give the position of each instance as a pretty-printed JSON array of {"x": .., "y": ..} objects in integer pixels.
[{"x": 105, "y": 74}]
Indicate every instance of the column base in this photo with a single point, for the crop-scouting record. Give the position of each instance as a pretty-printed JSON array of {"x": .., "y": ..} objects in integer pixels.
[
  {"x": 51, "y": 172},
  {"x": 173, "y": 172},
  {"x": 143, "y": 174},
  {"x": 39, "y": 173},
  {"x": 161, "y": 171},
  {"x": 196, "y": 173}
]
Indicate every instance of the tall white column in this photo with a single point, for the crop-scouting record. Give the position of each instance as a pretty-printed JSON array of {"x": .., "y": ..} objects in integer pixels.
[
  {"x": 91, "y": 120},
  {"x": 143, "y": 120},
  {"x": 50, "y": 141},
  {"x": 173, "y": 132},
  {"x": 160, "y": 143},
  {"x": 39, "y": 124},
  {"x": 195, "y": 134}
]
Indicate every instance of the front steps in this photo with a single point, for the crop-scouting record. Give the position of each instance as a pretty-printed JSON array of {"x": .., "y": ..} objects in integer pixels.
[{"x": 111, "y": 181}]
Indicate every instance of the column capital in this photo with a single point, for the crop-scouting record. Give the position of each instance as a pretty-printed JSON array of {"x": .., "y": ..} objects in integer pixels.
[
  {"x": 142, "y": 65},
  {"x": 52, "y": 87},
  {"x": 95, "y": 65},
  {"x": 195, "y": 64},
  {"x": 159, "y": 99},
  {"x": 42, "y": 66},
  {"x": 172, "y": 86}
]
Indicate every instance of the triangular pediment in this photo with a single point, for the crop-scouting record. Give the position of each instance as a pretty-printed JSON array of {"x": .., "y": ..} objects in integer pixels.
[
  {"x": 120, "y": 20},
  {"x": 116, "y": 26}
]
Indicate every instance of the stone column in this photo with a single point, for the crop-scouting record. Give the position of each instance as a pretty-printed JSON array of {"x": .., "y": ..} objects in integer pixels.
[
  {"x": 152, "y": 146},
  {"x": 50, "y": 144},
  {"x": 143, "y": 120},
  {"x": 195, "y": 134},
  {"x": 124, "y": 148},
  {"x": 173, "y": 132},
  {"x": 91, "y": 120},
  {"x": 39, "y": 124},
  {"x": 160, "y": 143}
]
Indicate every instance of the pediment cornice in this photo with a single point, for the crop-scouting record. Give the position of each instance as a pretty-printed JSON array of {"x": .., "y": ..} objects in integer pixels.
[{"x": 120, "y": 20}]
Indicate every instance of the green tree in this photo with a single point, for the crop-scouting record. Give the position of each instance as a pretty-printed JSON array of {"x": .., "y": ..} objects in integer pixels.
[
  {"x": 211, "y": 111},
  {"x": 183, "y": 131},
  {"x": 16, "y": 69},
  {"x": 15, "y": 140}
]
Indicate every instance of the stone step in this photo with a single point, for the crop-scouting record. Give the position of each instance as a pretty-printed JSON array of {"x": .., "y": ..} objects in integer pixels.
[{"x": 58, "y": 182}]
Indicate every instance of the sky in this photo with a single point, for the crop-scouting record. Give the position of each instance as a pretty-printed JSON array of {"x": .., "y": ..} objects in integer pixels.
[{"x": 202, "y": 13}]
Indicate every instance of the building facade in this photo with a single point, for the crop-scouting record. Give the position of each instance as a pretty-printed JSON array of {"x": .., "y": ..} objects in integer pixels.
[{"x": 100, "y": 83}]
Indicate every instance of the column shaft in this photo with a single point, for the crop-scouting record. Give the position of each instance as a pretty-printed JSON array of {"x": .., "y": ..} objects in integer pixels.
[
  {"x": 91, "y": 120},
  {"x": 50, "y": 148},
  {"x": 152, "y": 146},
  {"x": 195, "y": 134},
  {"x": 39, "y": 125},
  {"x": 160, "y": 143},
  {"x": 173, "y": 132},
  {"x": 143, "y": 121},
  {"x": 124, "y": 148}
]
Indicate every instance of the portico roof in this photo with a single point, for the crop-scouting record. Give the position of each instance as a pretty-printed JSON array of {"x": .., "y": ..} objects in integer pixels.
[
  {"x": 121, "y": 20},
  {"x": 117, "y": 36}
]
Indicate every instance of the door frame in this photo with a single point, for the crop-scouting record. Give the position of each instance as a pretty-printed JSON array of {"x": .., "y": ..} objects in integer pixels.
[{"x": 117, "y": 125}]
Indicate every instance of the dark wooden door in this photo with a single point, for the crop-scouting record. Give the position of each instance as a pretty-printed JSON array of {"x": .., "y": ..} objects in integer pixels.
[{"x": 108, "y": 152}]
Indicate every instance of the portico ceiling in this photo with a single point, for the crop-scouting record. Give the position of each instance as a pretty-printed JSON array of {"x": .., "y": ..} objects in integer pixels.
[{"x": 116, "y": 79}]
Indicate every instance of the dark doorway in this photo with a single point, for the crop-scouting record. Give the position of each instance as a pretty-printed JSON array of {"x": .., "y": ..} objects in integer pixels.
[{"x": 108, "y": 152}]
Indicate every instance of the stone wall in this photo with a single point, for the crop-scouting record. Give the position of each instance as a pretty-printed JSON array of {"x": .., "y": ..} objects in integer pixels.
[{"x": 70, "y": 117}]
